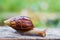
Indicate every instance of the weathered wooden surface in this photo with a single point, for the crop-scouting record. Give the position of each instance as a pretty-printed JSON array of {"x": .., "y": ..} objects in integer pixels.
[{"x": 9, "y": 33}]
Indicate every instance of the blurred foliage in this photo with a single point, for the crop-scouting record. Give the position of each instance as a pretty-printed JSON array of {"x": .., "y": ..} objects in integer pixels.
[
  {"x": 52, "y": 23},
  {"x": 34, "y": 5},
  {"x": 2, "y": 18}
]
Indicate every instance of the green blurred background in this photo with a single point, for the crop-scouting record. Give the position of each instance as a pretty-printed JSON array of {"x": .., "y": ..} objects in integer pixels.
[{"x": 43, "y": 13}]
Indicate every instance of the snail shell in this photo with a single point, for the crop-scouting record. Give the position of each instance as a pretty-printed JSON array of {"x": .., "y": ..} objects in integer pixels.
[{"x": 20, "y": 23}]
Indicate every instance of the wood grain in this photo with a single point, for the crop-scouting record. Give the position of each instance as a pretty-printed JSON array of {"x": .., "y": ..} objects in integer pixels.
[{"x": 7, "y": 33}]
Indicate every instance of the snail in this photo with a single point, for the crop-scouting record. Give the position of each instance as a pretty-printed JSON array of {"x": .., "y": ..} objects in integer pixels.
[{"x": 23, "y": 24}]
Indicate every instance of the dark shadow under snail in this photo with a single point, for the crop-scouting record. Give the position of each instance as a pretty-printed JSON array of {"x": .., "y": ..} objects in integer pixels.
[{"x": 23, "y": 24}]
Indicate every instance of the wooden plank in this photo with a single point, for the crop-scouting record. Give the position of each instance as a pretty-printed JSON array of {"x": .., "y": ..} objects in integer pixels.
[{"x": 7, "y": 33}]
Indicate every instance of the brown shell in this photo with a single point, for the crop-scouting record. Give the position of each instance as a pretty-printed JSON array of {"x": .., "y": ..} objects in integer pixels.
[{"x": 21, "y": 23}]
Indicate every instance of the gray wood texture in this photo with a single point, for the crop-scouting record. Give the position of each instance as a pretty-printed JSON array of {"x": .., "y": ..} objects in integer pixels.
[{"x": 9, "y": 33}]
